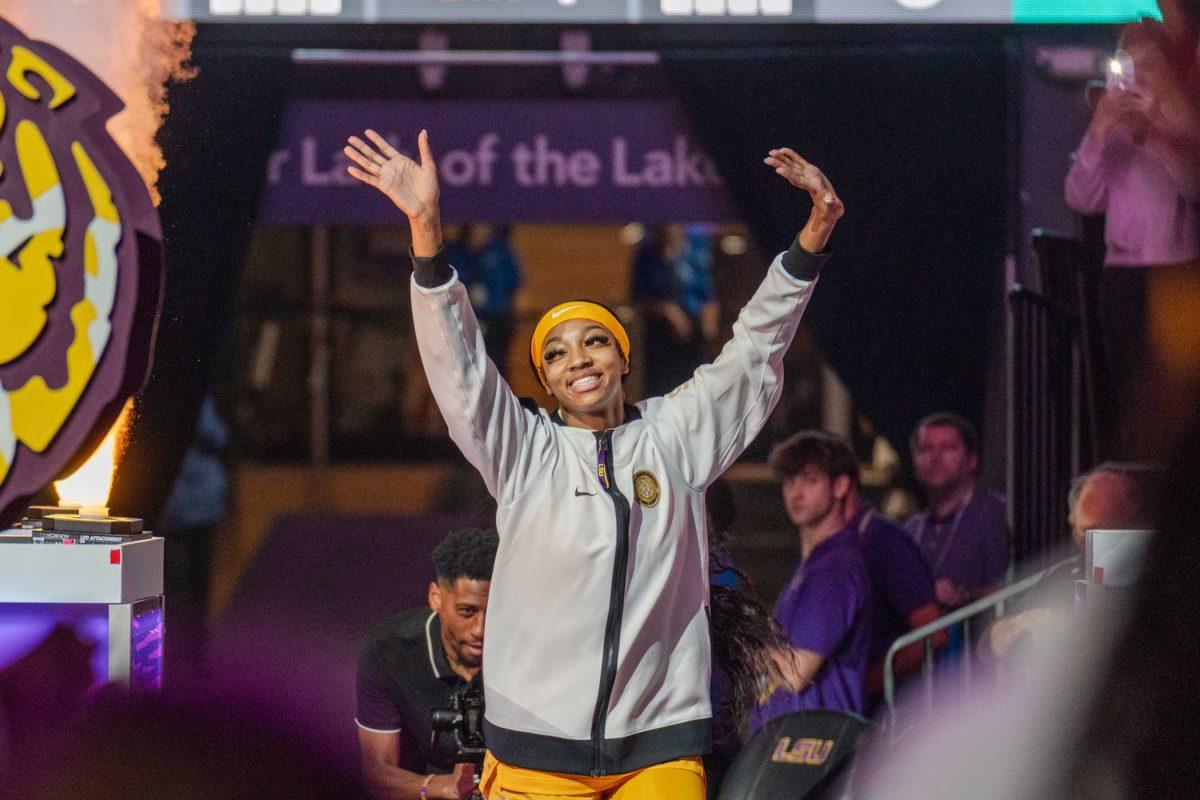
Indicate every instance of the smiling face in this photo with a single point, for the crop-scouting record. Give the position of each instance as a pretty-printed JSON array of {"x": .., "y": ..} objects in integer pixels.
[
  {"x": 462, "y": 610},
  {"x": 583, "y": 367}
]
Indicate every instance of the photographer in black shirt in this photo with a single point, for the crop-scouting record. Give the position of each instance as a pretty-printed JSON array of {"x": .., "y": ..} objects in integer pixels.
[{"x": 413, "y": 664}]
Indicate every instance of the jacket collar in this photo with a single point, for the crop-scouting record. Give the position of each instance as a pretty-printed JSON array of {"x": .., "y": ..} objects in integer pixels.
[
  {"x": 437, "y": 651},
  {"x": 632, "y": 413}
]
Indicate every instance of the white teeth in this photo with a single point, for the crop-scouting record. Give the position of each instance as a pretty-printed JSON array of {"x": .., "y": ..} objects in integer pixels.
[{"x": 585, "y": 383}]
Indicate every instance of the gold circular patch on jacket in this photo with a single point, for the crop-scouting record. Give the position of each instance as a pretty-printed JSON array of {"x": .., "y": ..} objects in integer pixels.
[{"x": 646, "y": 487}]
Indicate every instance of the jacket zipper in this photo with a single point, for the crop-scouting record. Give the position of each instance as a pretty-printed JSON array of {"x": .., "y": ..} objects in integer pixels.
[{"x": 616, "y": 599}]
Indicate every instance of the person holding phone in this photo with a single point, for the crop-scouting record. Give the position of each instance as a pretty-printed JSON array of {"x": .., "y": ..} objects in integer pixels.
[{"x": 1139, "y": 165}]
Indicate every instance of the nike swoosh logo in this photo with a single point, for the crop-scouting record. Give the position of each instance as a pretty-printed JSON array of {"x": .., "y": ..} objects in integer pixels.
[
  {"x": 561, "y": 311},
  {"x": 584, "y": 494}
]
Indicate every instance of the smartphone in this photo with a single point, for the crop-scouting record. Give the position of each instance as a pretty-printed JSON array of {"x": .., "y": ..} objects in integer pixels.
[{"x": 1120, "y": 74}]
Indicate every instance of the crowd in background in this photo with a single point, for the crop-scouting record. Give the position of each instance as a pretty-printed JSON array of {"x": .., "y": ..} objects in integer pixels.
[
  {"x": 1136, "y": 172},
  {"x": 862, "y": 579}
]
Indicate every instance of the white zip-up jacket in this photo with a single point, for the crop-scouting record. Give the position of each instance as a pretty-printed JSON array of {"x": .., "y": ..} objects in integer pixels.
[{"x": 596, "y": 657}]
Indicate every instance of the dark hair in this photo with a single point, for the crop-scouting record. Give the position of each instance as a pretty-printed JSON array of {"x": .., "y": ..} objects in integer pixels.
[
  {"x": 1143, "y": 481},
  {"x": 828, "y": 453},
  {"x": 946, "y": 419},
  {"x": 722, "y": 513},
  {"x": 741, "y": 629},
  {"x": 466, "y": 553}
]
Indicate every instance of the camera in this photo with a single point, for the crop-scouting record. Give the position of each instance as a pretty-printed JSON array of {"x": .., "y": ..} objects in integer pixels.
[{"x": 458, "y": 730}]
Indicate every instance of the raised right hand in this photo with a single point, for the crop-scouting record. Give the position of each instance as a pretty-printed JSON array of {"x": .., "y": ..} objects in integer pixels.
[{"x": 411, "y": 186}]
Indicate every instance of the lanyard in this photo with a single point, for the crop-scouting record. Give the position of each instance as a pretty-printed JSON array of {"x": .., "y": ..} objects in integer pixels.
[{"x": 958, "y": 516}]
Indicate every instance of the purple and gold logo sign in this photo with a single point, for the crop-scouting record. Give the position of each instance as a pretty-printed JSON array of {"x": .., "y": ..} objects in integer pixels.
[
  {"x": 810, "y": 752},
  {"x": 80, "y": 267}
]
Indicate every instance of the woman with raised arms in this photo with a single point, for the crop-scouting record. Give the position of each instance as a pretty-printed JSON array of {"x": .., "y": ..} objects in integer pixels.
[{"x": 597, "y": 650}]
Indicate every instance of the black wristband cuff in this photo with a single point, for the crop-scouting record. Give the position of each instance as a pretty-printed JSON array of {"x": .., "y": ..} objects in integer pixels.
[
  {"x": 803, "y": 265},
  {"x": 433, "y": 270}
]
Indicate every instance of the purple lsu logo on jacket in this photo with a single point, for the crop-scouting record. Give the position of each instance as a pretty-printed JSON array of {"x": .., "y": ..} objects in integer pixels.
[{"x": 80, "y": 267}]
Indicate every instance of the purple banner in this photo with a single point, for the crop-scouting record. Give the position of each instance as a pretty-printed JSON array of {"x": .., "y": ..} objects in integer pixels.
[{"x": 537, "y": 161}]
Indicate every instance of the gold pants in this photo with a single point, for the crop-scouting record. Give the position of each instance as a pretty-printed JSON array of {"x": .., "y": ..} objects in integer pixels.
[{"x": 674, "y": 780}]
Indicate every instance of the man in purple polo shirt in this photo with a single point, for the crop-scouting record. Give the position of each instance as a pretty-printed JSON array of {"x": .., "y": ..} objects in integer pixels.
[
  {"x": 904, "y": 597},
  {"x": 825, "y": 610},
  {"x": 963, "y": 534}
]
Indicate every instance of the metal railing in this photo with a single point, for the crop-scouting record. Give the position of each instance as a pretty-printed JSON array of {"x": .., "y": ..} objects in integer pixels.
[
  {"x": 1057, "y": 390},
  {"x": 963, "y": 616}
]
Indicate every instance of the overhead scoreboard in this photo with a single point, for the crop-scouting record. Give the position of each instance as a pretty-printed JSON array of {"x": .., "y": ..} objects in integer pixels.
[{"x": 665, "y": 11}]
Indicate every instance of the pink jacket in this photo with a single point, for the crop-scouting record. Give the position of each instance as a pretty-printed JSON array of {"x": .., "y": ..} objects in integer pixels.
[{"x": 1153, "y": 211}]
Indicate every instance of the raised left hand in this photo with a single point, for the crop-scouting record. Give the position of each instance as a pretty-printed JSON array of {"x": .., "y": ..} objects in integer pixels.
[{"x": 799, "y": 173}]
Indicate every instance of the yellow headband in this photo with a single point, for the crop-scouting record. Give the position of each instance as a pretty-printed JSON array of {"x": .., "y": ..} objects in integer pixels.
[{"x": 575, "y": 309}]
